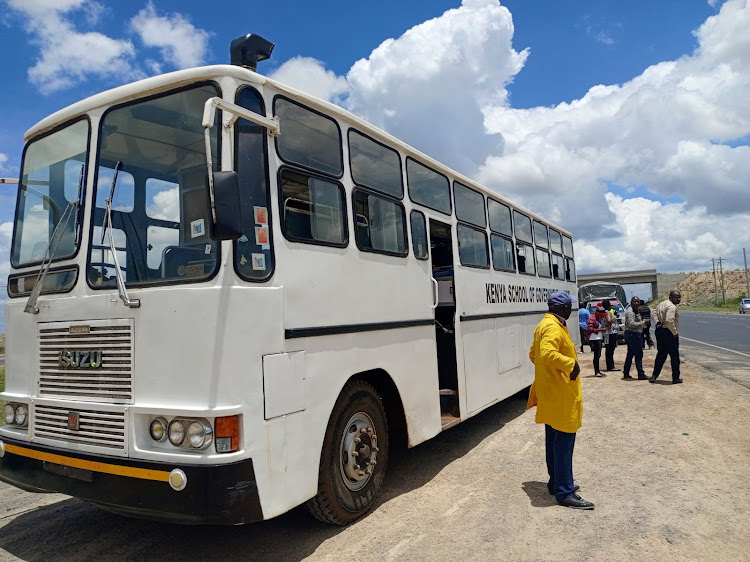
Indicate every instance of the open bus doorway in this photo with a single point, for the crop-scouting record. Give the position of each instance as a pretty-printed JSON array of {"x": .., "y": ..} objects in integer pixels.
[{"x": 441, "y": 252}]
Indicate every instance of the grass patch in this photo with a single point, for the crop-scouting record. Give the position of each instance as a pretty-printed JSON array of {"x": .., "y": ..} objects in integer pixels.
[{"x": 732, "y": 305}]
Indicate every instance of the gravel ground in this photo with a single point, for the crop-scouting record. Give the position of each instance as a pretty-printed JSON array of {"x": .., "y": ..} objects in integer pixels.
[{"x": 666, "y": 466}]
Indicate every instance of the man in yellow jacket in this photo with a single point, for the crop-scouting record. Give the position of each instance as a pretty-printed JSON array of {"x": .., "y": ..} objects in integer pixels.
[{"x": 556, "y": 392}]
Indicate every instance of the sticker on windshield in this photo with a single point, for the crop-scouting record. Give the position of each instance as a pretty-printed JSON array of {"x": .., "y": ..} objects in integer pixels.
[
  {"x": 197, "y": 228},
  {"x": 259, "y": 262},
  {"x": 208, "y": 248},
  {"x": 261, "y": 215},
  {"x": 261, "y": 237}
]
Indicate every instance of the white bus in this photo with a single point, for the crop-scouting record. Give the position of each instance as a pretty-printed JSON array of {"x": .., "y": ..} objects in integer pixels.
[{"x": 227, "y": 296}]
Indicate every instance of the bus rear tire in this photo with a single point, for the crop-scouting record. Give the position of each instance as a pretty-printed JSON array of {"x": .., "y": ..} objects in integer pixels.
[{"x": 354, "y": 456}]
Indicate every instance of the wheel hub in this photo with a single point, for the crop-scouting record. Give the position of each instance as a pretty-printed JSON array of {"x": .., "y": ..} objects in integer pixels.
[{"x": 359, "y": 449}]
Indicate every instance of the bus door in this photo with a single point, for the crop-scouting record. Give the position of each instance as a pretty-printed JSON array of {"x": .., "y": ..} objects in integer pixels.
[{"x": 441, "y": 255}]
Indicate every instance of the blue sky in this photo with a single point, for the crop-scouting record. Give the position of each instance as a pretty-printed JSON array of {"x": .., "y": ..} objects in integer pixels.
[{"x": 627, "y": 123}]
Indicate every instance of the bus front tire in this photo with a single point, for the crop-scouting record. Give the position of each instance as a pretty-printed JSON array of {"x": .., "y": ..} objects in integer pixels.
[{"x": 354, "y": 456}]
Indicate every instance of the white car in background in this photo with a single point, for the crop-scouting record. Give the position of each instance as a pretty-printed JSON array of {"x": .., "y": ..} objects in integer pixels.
[{"x": 744, "y": 306}]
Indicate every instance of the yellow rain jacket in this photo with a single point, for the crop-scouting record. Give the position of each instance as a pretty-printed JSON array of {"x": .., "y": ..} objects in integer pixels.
[{"x": 558, "y": 399}]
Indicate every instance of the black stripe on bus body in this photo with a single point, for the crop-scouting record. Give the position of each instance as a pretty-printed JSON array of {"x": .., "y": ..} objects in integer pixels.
[
  {"x": 292, "y": 333},
  {"x": 502, "y": 315}
]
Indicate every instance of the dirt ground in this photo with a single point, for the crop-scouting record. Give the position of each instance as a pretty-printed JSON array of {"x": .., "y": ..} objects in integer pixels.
[{"x": 667, "y": 467}]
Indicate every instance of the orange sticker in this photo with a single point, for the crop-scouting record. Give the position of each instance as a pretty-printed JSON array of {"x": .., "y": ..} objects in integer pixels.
[
  {"x": 261, "y": 215},
  {"x": 261, "y": 236}
]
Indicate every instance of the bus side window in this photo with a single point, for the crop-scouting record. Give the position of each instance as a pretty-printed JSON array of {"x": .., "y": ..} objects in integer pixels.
[
  {"x": 542, "y": 259},
  {"x": 428, "y": 187},
  {"x": 570, "y": 270},
  {"x": 525, "y": 257},
  {"x": 469, "y": 205},
  {"x": 502, "y": 253},
  {"x": 380, "y": 224},
  {"x": 500, "y": 221},
  {"x": 312, "y": 209},
  {"x": 558, "y": 268},
  {"x": 472, "y": 246},
  {"x": 419, "y": 235},
  {"x": 310, "y": 139},
  {"x": 567, "y": 247},
  {"x": 570, "y": 266}
]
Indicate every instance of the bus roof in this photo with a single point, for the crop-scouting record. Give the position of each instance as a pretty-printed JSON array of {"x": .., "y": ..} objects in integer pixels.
[{"x": 164, "y": 82}]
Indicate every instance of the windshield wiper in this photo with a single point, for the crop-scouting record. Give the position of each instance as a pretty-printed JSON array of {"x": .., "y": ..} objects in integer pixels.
[
  {"x": 121, "y": 290},
  {"x": 49, "y": 253},
  {"x": 78, "y": 224}
]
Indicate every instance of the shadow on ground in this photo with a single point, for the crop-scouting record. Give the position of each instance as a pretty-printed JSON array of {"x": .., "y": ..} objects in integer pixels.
[
  {"x": 74, "y": 530},
  {"x": 538, "y": 494}
]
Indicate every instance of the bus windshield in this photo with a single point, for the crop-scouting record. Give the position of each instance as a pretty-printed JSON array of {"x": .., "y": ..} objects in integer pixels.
[
  {"x": 159, "y": 210},
  {"x": 52, "y": 168}
]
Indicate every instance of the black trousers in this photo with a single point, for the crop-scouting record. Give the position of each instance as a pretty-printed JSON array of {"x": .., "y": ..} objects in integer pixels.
[
  {"x": 583, "y": 336},
  {"x": 596, "y": 347},
  {"x": 667, "y": 344},
  {"x": 609, "y": 353},
  {"x": 647, "y": 337}
]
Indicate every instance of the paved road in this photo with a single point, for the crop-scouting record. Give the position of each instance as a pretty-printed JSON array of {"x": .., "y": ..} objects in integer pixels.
[{"x": 730, "y": 331}]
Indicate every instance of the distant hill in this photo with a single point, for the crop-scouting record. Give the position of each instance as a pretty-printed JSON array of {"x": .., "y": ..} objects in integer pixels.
[{"x": 698, "y": 288}]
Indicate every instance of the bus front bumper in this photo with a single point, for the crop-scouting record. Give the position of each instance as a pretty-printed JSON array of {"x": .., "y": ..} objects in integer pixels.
[{"x": 224, "y": 494}]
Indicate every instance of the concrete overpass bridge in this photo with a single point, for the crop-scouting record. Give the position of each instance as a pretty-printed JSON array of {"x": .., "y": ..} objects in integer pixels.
[{"x": 660, "y": 283}]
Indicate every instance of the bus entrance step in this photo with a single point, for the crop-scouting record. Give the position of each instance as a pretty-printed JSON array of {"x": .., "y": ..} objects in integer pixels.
[{"x": 447, "y": 421}]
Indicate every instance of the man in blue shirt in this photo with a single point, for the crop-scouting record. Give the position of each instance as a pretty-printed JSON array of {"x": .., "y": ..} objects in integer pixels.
[{"x": 583, "y": 318}]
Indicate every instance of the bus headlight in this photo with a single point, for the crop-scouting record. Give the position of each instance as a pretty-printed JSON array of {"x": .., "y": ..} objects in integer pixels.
[
  {"x": 199, "y": 435},
  {"x": 21, "y": 415},
  {"x": 16, "y": 414},
  {"x": 176, "y": 433},
  {"x": 158, "y": 429},
  {"x": 9, "y": 413}
]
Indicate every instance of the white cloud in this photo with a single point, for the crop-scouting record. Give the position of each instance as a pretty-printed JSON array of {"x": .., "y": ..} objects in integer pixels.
[
  {"x": 431, "y": 87},
  {"x": 3, "y": 160},
  {"x": 309, "y": 75},
  {"x": 653, "y": 234},
  {"x": 664, "y": 130},
  {"x": 165, "y": 203},
  {"x": 180, "y": 43},
  {"x": 67, "y": 55}
]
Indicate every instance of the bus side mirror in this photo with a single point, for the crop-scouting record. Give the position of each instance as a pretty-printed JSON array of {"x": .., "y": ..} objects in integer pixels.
[{"x": 226, "y": 223}]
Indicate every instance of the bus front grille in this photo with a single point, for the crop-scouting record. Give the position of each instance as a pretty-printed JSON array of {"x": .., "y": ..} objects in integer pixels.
[
  {"x": 95, "y": 427},
  {"x": 89, "y": 361}
]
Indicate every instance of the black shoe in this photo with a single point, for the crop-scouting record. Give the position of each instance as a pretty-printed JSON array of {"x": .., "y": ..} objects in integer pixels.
[
  {"x": 576, "y": 502},
  {"x": 678, "y": 381},
  {"x": 613, "y": 369},
  {"x": 652, "y": 379},
  {"x": 627, "y": 377},
  {"x": 576, "y": 487},
  {"x": 643, "y": 378}
]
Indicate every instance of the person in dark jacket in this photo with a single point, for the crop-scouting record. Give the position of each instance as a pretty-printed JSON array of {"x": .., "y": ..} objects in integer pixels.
[{"x": 634, "y": 327}]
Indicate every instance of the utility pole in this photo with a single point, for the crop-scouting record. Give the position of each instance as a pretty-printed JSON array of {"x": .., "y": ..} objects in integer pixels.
[
  {"x": 716, "y": 290},
  {"x": 747, "y": 280},
  {"x": 721, "y": 276}
]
